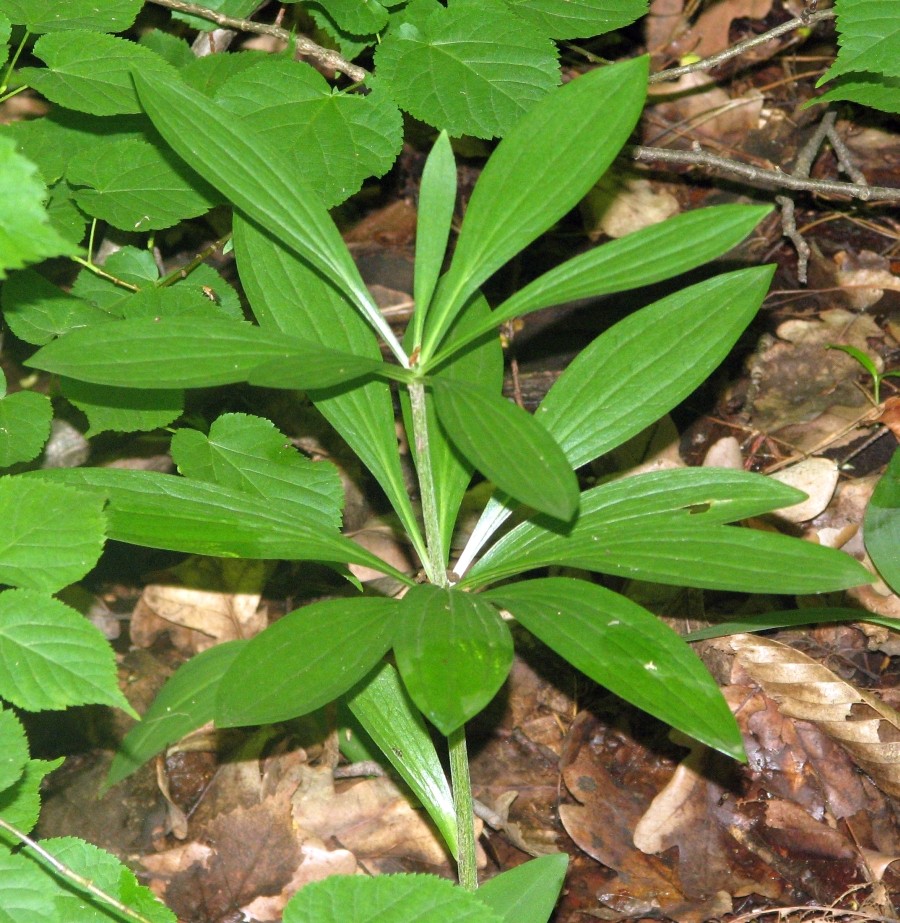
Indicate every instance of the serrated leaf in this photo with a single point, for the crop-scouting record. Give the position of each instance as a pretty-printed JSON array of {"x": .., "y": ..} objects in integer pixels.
[
  {"x": 469, "y": 68},
  {"x": 123, "y": 410},
  {"x": 37, "y": 310},
  {"x": 52, "y": 535},
  {"x": 52, "y": 657},
  {"x": 40, "y": 16},
  {"x": 627, "y": 649},
  {"x": 359, "y": 17},
  {"x": 335, "y": 140},
  {"x": 641, "y": 368},
  {"x": 869, "y": 39},
  {"x": 250, "y": 454},
  {"x": 175, "y": 50},
  {"x": 205, "y": 282},
  {"x": 64, "y": 214},
  {"x": 178, "y": 514},
  {"x": 135, "y": 186},
  {"x": 453, "y": 652},
  {"x": 305, "y": 660},
  {"x": 51, "y": 141},
  {"x": 363, "y": 415},
  {"x": 13, "y": 749},
  {"x": 540, "y": 170},
  {"x": 386, "y": 712},
  {"x": 241, "y": 164},
  {"x": 208, "y": 73},
  {"x": 26, "y": 235},
  {"x": 91, "y": 72},
  {"x": 185, "y": 703},
  {"x": 169, "y": 352},
  {"x": 528, "y": 892},
  {"x": 20, "y": 804},
  {"x": 26, "y": 895},
  {"x": 24, "y": 425},
  {"x": 109, "y": 874},
  {"x": 645, "y": 257},
  {"x": 561, "y": 19},
  {"x": 350, "y": 44},
  {"x": 536, "y": 473},
  {"x": 873, "y": 90},
  {"x": 881, "y": 526},
  {"x": 387, "y": 899}
]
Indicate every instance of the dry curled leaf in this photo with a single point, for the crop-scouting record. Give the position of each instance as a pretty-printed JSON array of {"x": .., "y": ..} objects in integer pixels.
[{"x": 867, "y": 728}]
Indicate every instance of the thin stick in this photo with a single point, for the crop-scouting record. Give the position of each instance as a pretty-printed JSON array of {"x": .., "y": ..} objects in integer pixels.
[
  {"x": 302, "y": 45},
  {"x": 673, "y": 73},
  {"x": 763, "y": 176},
  {"x": 72, "y": 875}
]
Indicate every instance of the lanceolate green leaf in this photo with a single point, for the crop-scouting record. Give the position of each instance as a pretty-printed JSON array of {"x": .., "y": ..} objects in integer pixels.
[
  {"x": 882, "y": 524},
  {"x": 683, "y": 498},
  {"x": 287, "y": 295},
  {"x": 242, "y": 165},
  {"x": 540, "y": 170},
  {"x": 647, "y": 256},
  {"x": 305, "y": 660},
  {"x": 629, "y": 650},
  {"x": 437, "y": 199},
  {"x": 528, "y": 892},
  {"x": 185, "y": 703},
  {"x": 708, "y": 557},
  {"x": 788, "y": 618},
  {"x": 190, "y": 352},
  {"x": 386, "y": 712},
  {"x": 164, "y": 511},
  {"x": 526, "y": 463},
  {"x": 453, "y": 651},
  {"x": 637, "y": 371}
]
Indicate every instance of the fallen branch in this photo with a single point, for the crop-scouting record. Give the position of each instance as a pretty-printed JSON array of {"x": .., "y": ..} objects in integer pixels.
[
  {"x": 302, "y": 45},
  {"x": 801, "y": 22},
  {"x": 762, "y": 176}
]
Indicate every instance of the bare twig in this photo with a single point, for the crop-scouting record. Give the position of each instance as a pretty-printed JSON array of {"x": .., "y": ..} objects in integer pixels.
[
  {"x": 72, "y": 875},
  {"x": 673, "y": 73},
  {"x": 789, "y": 229},
  {"x": 302, "y": 45},
  {"x": 765, "y": 177}
]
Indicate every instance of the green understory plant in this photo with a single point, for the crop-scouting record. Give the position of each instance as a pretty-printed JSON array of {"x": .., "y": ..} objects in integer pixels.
[{"x": 242, "y": 493}]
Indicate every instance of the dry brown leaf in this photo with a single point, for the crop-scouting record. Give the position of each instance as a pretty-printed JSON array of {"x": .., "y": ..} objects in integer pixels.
[
  {"x": 206, "y": 601},
  {"x": 371, "y": 818},
  {"x": 805, "y": 689},
  {"x": 817, "y": 478}
]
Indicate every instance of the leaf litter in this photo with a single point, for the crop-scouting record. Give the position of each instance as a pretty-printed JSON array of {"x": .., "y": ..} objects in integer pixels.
[{"x": 656, "y": 827}]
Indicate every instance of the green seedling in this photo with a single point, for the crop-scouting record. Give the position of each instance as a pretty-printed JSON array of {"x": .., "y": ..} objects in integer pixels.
[{"x": 866, "y": 362}]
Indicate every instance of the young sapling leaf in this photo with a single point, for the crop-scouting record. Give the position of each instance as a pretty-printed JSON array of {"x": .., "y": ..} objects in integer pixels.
[
  {"x": 437, "y": 199},
  {"x": 536, "y": 473},
  {"x": 241, "y": 164},
  {"x": 537, "y": 173}
]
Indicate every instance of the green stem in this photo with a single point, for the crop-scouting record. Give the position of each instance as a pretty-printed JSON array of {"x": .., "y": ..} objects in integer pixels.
[
  {"x": 7, "y": 76},
  {"x": 464, "y": 807},
  {"x": 435, "y": 561}
]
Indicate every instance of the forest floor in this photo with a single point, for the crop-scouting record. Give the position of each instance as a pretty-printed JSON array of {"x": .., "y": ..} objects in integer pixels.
[{"x": 656, "y": 826}]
